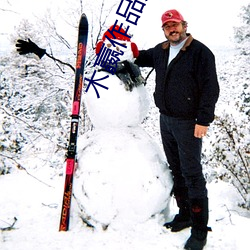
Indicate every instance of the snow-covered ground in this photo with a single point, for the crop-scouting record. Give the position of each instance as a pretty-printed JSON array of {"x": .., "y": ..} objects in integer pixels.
[
  {"x": 37, "y": 208},
  {"x": 31, "y": 198},
  {"x": 32, "y": 201}
]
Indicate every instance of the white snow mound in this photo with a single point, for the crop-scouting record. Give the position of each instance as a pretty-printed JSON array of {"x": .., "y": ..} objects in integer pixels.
[{"x": 122, "y": 178}]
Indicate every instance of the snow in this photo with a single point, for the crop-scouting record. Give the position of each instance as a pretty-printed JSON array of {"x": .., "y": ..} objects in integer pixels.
[
  {"x": 34, "y": 196},
  {"x": 121, "y": 178},
  {"x": 37, "y": 208},
  {"x": 116, "y": 107},
  {"x": 121, "y": 184}
]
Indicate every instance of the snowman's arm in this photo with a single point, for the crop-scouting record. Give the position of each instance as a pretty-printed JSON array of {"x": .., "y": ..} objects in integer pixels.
[{"x": 25, "y": 47}]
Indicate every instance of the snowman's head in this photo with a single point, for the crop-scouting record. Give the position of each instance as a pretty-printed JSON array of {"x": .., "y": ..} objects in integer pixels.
[{"x": 117, "y": 39}]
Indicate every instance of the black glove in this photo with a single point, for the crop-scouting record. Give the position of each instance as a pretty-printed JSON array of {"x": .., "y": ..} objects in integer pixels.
[
  {"x": 130, "y": 74},
  {"x": 24, "y": 47}
]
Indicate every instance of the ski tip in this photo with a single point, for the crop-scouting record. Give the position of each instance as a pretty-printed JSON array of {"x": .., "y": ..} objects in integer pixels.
[
  {"x": 83, "y": 16},
  {"x": 83, "y": 20}
]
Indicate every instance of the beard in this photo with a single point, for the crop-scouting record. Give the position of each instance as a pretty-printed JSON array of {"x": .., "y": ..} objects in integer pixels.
[{"x": 175, "y": 37}]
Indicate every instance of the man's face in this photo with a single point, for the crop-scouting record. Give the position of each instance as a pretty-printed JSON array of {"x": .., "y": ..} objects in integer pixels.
[{"x": 174, "y": 32}]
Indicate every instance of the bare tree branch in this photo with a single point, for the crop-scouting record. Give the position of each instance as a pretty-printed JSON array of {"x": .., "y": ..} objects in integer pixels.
[
  {"x": 57, "y": 60},
  {"x": 10, "y": 227},
  {"x": 30, "y": 127},
  {"x": 1, "y": 9},
  {"x": 19, "y": 166}
]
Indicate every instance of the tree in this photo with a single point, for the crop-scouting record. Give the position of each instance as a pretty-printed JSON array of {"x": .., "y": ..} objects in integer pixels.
[
  {"x": 35, "y": 95},
  {"x": 230, "y": 153},
  {"x": 242, "y": 33},
  {"x": 34, "y": 106}
]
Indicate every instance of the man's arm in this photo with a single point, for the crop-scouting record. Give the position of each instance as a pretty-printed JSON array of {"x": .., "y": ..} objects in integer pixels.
[
  {"x": 145, "y": 58},
  {"x": 208, "y": 87}
]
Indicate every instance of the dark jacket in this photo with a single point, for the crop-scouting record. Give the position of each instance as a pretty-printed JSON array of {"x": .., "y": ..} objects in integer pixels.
[{"x": 188, "y": 87}]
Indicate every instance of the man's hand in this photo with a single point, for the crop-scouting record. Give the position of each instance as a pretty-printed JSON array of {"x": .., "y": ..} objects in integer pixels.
[
  {"x": 24, "y": 47},
  {"x": 200, "y": 131}
]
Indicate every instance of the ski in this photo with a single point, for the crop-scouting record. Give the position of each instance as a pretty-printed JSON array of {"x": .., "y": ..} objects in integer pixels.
[{"x": 71, "y": 160}]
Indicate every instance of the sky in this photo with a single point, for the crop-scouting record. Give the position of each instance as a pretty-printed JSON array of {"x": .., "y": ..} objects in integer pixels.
[{"x": 210, "y": 22}]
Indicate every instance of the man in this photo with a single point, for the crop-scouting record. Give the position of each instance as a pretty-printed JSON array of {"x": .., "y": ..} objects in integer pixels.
[{"x": 186, "y": 93}]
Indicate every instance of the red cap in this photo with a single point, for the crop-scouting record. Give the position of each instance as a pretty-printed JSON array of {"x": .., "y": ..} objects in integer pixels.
[
  {"x": 119, "y": 33},
  {"x": 171, "y": 16}
]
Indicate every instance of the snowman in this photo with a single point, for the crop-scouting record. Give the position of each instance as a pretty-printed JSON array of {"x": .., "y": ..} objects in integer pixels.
[{"x": 122, "y": 178}]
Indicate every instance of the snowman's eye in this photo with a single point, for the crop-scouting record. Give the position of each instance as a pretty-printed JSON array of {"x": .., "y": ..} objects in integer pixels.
[{"x": 108, "y": 45}]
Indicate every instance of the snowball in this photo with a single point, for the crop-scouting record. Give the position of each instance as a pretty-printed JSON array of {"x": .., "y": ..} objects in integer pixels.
[
  {"x": 122, "y": 177},
  {"x": 116, "y": 107}
]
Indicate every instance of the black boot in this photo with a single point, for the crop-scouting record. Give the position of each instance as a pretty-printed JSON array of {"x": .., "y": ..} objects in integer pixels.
[
  {"x": 182, "y": 220},
  {"x": 197, "y": 240},
  {"x": 199, "y": 215}
]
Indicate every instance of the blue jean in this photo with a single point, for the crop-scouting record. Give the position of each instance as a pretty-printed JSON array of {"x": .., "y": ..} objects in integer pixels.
[{"x": 183, "y": 152}]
